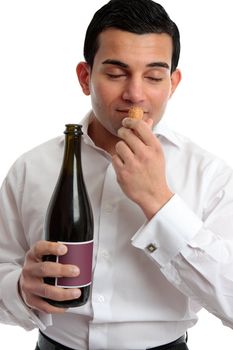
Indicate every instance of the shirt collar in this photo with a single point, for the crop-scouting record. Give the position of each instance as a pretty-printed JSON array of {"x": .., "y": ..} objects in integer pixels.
[{"x": 162, "y": 130}]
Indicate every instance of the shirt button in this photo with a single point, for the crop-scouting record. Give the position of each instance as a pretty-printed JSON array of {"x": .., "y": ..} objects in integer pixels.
[
  {"x": 105, "y": 254},
  {"x": 108, "y": 208},
  {"x": 101, "y": 299}
]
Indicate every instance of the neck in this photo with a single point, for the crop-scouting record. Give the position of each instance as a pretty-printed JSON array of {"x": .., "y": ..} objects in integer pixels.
[{"x": 102, "y": 137}]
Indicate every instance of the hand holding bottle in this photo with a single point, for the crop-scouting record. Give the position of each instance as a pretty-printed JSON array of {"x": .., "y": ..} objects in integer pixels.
[
  {"x": 69, "y": 220},
  {"x": 32, "y": 287}
]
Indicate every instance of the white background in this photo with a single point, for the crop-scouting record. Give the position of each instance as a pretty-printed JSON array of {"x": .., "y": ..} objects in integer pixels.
[{"x": 41, "y": 43}]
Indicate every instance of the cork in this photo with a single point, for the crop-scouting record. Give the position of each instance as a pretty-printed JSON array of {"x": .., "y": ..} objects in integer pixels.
[{"x": 135, "y": 112}]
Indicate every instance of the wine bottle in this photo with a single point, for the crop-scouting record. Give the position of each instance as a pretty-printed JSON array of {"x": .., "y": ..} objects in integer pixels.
[{"x": 69, "y": 220}]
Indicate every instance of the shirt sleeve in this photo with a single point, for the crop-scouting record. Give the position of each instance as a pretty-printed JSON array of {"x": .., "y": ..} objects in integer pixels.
[
  {"x": 14, "y": 311},
  {"x": 13, "y": 248},
  {"x": 166, "y": 234},
  {"x": 196, "y": 253}
]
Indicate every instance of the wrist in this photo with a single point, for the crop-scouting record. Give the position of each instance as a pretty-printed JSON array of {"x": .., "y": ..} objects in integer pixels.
[{"x": 151, "y": 207}]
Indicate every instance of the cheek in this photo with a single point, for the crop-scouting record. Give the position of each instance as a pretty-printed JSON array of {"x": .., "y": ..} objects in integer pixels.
[
  {"x": 161, "y": 96},
  {"x": 159, "y": 102},
  {"x": 103, "y": 96},
  {"x": 101, "y": 104},
  {"x": 96, "y": 98},
  {"x": 98, "y": 93}
]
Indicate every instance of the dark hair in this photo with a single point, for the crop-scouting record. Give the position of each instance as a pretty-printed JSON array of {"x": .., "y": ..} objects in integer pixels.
[{"x": 135, "y": 16}]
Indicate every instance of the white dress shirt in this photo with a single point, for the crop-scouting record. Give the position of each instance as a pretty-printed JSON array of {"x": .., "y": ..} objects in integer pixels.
[{"x": 150, "y": 278}]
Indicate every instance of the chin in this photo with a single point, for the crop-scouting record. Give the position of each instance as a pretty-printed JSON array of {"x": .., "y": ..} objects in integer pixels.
[
  {"x": 112, "y": 129},
  {"x": 113, "y": 132}
]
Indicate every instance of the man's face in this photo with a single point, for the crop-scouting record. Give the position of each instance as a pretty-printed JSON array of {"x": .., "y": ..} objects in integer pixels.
[{"x": 131, "y": 70}]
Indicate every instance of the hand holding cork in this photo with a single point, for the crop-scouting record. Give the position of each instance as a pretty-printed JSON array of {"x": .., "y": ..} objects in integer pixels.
[{"x": 139, "y": 162}]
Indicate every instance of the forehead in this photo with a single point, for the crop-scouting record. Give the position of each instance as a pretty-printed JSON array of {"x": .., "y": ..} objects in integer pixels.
[{"x": 115, "y": 43}]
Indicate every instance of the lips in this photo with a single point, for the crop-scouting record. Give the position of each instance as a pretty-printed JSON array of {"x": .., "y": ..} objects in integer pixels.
[
  {"x": 123, "y": 110},
  {"x": 126, "y": 110}
]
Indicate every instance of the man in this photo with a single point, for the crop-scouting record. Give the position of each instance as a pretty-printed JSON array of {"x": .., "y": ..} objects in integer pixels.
[{"x": 162, "y": 206}]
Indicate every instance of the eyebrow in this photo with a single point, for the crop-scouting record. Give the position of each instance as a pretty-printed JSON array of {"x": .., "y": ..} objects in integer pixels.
[
  {"x": 124, "y": 65},
  {"x": 116, "y": 63}
]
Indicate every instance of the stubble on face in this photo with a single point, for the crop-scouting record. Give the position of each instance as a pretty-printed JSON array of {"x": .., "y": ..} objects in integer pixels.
[{"x": 110, "y": 103}]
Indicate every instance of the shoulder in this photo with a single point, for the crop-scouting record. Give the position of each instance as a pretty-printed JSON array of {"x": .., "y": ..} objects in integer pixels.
[
  {"x": 195, "y": 156},
  {"x": 39, "y": 159},
  {"x": 42, "y": 151}
]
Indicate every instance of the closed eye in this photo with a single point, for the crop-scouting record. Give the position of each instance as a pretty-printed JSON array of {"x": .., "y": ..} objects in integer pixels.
[
  {"x": 115, "y": 76},
  {"x": 154, "y": 79}
]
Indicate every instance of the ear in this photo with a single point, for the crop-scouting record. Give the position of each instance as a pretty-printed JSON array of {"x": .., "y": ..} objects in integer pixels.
[
  {"x": 175, "y": 80},
  {"x": 83, "y": 73}
]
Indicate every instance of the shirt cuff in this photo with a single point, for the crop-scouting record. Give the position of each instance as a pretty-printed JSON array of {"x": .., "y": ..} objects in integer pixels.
[
  {"x": 27, "y": 317},
  {"x": 171, "y": 229}
]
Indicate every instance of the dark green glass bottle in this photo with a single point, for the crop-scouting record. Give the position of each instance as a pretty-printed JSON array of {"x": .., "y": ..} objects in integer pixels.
[{"x": 69, "y": 220}]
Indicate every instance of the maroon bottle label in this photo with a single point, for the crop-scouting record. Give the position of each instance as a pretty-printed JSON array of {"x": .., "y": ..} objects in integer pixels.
[{"x": 79, "y": 254}]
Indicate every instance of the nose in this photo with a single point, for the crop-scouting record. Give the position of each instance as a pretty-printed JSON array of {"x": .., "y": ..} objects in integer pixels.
[{"x": 133, "y": 91}]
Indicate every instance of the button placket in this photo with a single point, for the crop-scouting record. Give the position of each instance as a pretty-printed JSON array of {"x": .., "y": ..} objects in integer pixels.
[{"x": 103, "y": 284}]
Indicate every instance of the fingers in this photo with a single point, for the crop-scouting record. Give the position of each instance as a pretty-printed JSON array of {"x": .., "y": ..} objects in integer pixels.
[
  {"x": 36, "y": 267},
  {"x": 42, "y": 248},
  {"x": 140, "y": 128},
  {"x": 50, "y": 269},
  {"x": 48, "y": 291},
  {"x": 36, "y": 301},
  {"x": 124, "y": 154},
  {"x": 33, "y": 290},
  {"x": 130, "y": 138},
  {"x": 137, "y": 139},
  {"x": 130, "y": 145},
  {"x": 32, "y": 287},
  {"x": 136, "y": 134}
]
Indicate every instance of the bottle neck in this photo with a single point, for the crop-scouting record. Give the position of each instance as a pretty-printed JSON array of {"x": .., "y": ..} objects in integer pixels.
[{"x": 72, "y": 152}]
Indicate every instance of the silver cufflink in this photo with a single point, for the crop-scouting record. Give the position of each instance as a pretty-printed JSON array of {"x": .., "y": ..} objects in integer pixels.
[{"x": 151, "y": 248}]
